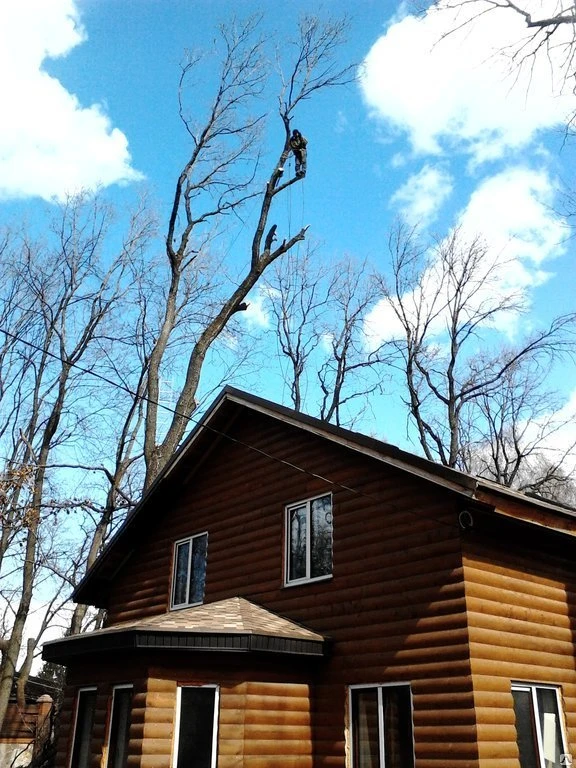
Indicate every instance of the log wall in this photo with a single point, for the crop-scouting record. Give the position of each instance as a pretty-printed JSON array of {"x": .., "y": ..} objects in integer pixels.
[{"x": 521, "y": 620}]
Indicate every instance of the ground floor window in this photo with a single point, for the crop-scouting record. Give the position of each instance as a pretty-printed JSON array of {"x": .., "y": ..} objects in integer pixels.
[
  {"x": 120, "y": 717},
  {"x": 83, "y": 722},
  {"x": 539, "y": 726},
  {"x": 381, "y": 726},
  {"x": 197, "y": 714}
]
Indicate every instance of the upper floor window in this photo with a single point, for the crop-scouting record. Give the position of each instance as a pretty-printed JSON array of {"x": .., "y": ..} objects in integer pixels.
[
  {"x": 539, "y": 726},
  {"x": 189, "y": 571},
  {"x": 309, "y": 539},
  {"x": 381, "y": 726}
]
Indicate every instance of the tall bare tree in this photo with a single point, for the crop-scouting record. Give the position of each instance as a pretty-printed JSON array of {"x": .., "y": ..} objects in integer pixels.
[
  {"x": 441, "y": 300},
  {"x": 515, "y": 433},
  {"x": 216, "y": 180},
  {"x": 318, "y": 311},
  {"x": 61, "y": 293}
]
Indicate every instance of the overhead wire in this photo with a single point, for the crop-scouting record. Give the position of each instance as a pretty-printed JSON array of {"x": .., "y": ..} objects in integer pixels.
[{"x": 198, "y": 423}]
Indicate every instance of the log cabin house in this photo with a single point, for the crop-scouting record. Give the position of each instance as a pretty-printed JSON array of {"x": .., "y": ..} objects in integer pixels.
[{"x": 292, "y": 594}]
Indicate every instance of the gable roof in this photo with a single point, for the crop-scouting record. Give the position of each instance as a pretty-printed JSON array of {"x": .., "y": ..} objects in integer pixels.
[
  {"x": 212, "y": 428},
  {"x": 235, "y": 625}
]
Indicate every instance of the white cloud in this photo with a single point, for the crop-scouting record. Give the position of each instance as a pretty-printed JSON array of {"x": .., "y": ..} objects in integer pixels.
[
  {"x": 423, "y": 194},
  {"x": 49, "y": 143},
  {"x": 461, "y": 91},
  {"x": 256, "y": 315},
  {"x": 561, "y": 444},
  {"x": 511, "y": 212}
]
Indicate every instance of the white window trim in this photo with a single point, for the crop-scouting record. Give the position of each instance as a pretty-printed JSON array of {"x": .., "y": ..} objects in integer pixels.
[
  {"x": 379, "y": 687},
  {"x": 76, "y": 708},
  {"x": 216, "y": 688},
  {"x": 121, "y": 686},
  {"x": 174, "y": 564},
  {"x": 531, "y": 688},
  {"x": 305, "y": 579}
]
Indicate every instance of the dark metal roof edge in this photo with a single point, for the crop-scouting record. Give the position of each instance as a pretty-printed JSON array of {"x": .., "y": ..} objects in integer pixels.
[{"x": 223, "y": 642}]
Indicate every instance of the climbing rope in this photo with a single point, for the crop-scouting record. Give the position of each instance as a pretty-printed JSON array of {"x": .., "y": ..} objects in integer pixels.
[{"x": 289, "y": 203}]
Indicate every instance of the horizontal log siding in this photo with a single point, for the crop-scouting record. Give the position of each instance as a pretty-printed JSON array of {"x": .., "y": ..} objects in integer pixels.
[
  {"x": 265, "y": 724},
  {"x": 260, "y": 723},
  {"x": 395, "y": 607},
  {"x": 521, "y": 622},
  {"x": 104, "y": 675}
]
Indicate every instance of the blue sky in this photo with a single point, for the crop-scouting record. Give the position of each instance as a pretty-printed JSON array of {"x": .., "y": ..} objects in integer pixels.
[{"x": 437, "y": 131}]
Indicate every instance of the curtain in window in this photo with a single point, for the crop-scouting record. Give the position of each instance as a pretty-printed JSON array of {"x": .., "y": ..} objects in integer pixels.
[{"x": 366, "y": 728}]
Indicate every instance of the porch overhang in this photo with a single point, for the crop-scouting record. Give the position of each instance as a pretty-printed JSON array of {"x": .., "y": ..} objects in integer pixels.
[{"x": 228, "y": 626}]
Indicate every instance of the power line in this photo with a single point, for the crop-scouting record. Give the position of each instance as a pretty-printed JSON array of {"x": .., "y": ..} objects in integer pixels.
[{"x": 215, "y": 431}]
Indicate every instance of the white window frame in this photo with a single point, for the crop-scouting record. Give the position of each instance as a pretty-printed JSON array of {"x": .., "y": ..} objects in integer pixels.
[
  {"x": 79, "y": 692},
  {"x": 216, "y": 689},
  {"x": 288, "y": 582},
  {"x": 379, "y": 687},
  {"x": 189, "y": 540},
  {"x": 532, "y": 689},
  {"x": 121, "y": 686}
]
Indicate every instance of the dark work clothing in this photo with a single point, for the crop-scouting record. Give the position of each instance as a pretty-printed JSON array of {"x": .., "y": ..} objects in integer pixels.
[{"x": 298, "y": 146}]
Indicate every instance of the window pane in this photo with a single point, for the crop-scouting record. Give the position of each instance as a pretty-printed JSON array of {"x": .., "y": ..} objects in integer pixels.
[
  {"x": 198, "y": 575},
  {"x": 196, "y": 730},
  {"x": 120, "y": 727},
  {"x": 550, "y": 727},
  {"x": 365, "y": 730},
  {"x": 82, "y": 752},
  {"x": 525, "y": 729},
  {"x": 398, "y": 739},
  {"x": 321, "y": 536},
  {"x": 181, "y": 574},
  {"x": 297, "y": 557}
]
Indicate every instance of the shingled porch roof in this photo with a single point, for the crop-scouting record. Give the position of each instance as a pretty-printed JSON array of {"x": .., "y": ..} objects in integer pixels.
[{"x": 233, "y": 625}]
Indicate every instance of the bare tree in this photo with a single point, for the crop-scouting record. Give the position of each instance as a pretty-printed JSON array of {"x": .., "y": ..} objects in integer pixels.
[
  {"x": 216, "y": 180},
  {"x": 352, "y": 369},
  {"x": 550, "y": 32},
  {"x": 297, "y": 293},
  {"x": 514, "y": 434},
  {"x": 442, "y": 300},
  {"x": 63, "y": 295},
  {"x": 318, "y": 312}
]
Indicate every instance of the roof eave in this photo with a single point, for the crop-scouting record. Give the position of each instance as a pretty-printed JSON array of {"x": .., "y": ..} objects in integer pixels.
[{"x": 66, "y": 649}]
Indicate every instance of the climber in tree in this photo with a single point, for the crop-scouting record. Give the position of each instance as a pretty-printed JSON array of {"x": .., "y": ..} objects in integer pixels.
[{"x": 298, "y": 146}]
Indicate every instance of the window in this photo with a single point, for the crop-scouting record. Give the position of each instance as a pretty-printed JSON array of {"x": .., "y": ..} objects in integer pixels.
[
  {"x": 381, "y": 724},
  {"x": 539, "y": 727},
  {"x": 189, "y": 571},
  {"x": 82, "y": 745},
  {"x": 309, "y": 539},
  {"x": 119, "y": 732},
  {"x": 196, "y": 732}
]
